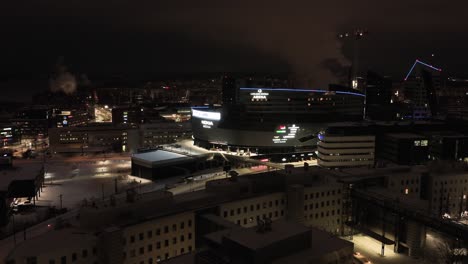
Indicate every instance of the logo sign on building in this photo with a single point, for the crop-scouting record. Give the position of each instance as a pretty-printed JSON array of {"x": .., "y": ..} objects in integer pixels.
[
  {"x": 214, "y": 116},
  {"x": 259, "y": 95},
  {"x": 285, "y": 132},
  {"x": 207, "y": 124}
]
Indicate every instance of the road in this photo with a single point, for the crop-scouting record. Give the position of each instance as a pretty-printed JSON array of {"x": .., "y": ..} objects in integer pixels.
[{"x": 93, "y": 177}]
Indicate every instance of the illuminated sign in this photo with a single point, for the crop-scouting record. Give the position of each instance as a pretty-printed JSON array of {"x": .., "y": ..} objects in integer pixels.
[
  {"x": 259, "y": 95},
  {"x": 286, "y": 132},
  {"x": 102, "y": 114},
  {"x": 207, "y": 124},
  {"x": 421, "y": 143},
  {"x": 65, "y": 113},
  {"x": 206, "y": 115}
]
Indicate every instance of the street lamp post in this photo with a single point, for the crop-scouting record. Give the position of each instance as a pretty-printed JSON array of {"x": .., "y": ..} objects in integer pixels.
[
  {"x": 14, "y": 231},
  {"x": 60, "y": 197}
]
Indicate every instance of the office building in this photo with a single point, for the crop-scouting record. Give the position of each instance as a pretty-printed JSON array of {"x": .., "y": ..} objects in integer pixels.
[
  {"x": 33, "y": 122},
  {"x": 346, "y": 145},
  {"x": 405, "y": 148},
  {"x": 96, "y": 138},
  {"x": 163, "y": 132},
  {"x": 379, "y": 103},
  {"x": 420, "y": 87}
]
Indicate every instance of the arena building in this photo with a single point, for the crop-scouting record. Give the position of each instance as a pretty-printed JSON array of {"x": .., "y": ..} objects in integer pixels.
[{"x": 273, "y": 120}]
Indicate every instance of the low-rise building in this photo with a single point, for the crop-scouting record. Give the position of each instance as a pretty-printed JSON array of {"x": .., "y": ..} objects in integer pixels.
[
  {"x": 18, "y": 182},
  {"x": 277, "y": 242},
  {"x": 346, "y": 146},
  {"x": 104, "y": 138},
  {"x": 154, "y": 134}
]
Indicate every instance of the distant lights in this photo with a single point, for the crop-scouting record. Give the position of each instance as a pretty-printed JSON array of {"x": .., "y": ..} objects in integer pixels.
[
  {"x": 302, "y": 90},
  {"x": 214, "y": 116}
]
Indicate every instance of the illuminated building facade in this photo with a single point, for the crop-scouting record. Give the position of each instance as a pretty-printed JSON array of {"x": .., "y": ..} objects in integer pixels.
[
  {"x": 274, "y": 119},
  {"x": 420, "y": 88},
  {"x": 33, "y": 122},
  {"x": 96, "y": 138},
  {"x": 346, "y": 147},
  {"x": 8, "y": 134}
]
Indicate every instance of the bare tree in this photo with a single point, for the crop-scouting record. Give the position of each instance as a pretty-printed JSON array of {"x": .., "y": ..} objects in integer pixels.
[{"x": 440, "y": 252}]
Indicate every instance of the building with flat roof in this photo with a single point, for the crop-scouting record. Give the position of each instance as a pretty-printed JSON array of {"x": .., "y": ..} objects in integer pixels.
[
  {"x": 405, "y": 148},
  {"x": 161, "y": 163},
  {"x": 17, "y": 182},
  {"x": 346, "y": 145},
  {"x": 277, "y": 242}
]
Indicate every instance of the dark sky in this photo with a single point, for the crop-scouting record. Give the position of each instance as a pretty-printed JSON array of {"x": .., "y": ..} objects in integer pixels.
[{"x": 105, "y": 36}]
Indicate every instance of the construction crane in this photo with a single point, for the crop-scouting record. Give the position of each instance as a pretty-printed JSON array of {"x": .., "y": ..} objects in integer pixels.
[{"x": 357, "y": 34}]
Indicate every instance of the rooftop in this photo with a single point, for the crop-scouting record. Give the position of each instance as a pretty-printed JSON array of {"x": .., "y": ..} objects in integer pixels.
[
  {"x": 405, "y": 135},
  {"x": 254, "y": 240},
  {"x": 66, "y": 238},
  {"x": 322, "y": 243},
  {"x": 159, "y": 157}
]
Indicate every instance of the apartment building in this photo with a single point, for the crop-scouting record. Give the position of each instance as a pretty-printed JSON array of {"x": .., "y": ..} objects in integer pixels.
[
  {"x": 247, "y": 212},
  {"x": 159, "y": 239},
  {"x": 323, "y": 207},
  {"x": 448, "y": 189},
  {"x": 407, "y": 181}
]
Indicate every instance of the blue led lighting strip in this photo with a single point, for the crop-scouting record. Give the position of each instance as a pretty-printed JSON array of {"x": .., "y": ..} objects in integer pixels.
[
  {"x": 200, "y": 107},
  {"x": 422, "y": 63},
  {"x": 302, "y": 90}
]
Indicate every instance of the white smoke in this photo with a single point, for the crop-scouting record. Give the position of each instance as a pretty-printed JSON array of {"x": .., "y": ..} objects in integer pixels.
[
  {"x": 65, "y": 82},
  {"x": 304, "y": 38},
  {"x": 62, "y": 80}
]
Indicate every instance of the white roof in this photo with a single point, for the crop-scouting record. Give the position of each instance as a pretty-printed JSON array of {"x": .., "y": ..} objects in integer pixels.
[{"x": 159, "y": 157}]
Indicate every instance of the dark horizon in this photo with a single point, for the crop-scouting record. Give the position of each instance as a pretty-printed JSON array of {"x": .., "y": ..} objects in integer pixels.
[{"x": 181, "y": 36}]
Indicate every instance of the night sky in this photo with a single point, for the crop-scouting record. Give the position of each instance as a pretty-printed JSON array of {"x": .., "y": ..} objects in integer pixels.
[{"x": 134, "y": 37}]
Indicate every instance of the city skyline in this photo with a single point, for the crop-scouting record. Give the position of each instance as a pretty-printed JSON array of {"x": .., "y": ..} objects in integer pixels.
[{"x": 246, "y": 132}]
